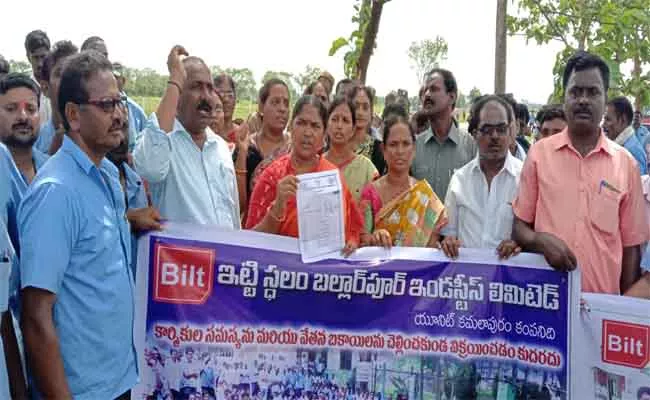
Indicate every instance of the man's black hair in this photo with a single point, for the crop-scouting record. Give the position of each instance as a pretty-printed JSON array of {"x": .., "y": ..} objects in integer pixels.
[
  {"x": 61, "y": 50},
  {"x": 88, "y": 43},
  {"x": 78, "y": 69},
  {"x": 522, "y": 112},
  {"x": 550, "y": 112},
  {"x": 19, "y": 80},
  {"x": 583, "y": 60},
  {"x": 622, "y": 108},
  {"x": 479, "y": 103},
  {"x": 36, "y": 40},
  {"x": 449, "y": 79}
]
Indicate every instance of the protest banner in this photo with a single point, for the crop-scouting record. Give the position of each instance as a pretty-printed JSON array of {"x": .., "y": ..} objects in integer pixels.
[
  {"x": 614, "y": 350},
  {"x": 251, "y": 321}
]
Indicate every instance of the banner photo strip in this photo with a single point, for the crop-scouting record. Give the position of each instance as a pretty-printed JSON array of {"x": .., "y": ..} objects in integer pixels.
[{"x": 252, "y": 322}]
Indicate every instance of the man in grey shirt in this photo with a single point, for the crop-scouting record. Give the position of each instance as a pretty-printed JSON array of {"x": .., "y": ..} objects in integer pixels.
[{"x": 443, "y": 148}]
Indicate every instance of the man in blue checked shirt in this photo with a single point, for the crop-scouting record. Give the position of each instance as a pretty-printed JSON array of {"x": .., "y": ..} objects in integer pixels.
[{"x": 77, "y": 285}]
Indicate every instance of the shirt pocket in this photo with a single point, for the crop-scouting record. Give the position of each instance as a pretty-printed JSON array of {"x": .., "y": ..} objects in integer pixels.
[{"x": 604, "y": 211}]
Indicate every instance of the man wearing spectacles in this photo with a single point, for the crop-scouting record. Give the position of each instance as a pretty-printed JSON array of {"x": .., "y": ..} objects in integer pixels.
[
  {"x": 480, "y": 194},
  {"x": 77, "y": 284},
  {"x": 189, "y": 168}
]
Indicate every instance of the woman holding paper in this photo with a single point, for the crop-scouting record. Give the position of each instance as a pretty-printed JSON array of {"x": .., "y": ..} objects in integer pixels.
[
  {"x": 273, "y": 207},
  {"x": 399, "y": 210},
  {"x": 357, "y": 170}
]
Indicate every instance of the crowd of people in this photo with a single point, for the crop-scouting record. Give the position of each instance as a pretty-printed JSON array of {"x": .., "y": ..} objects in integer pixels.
[
  {"x": 188, "y": 373},
  {"x": 83, "y": 172}
]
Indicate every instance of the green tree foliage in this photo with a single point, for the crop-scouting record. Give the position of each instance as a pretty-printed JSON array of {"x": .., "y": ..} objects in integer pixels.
[
  {"x": 309, "y": 75},
  {"x": 20, "y": 66},
  {"x": 474, "y": 94},
  {"x": 426, "y": 55},
  {"x": 362, "y": 41},
  {"x": 617, "y": 30},
  {"x": 288, "y": 78}
]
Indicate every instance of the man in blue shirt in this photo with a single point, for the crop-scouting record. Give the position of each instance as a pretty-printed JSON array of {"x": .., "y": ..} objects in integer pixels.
[
  {"x": 12, "y": 380},
  {"x": 51, "y": 135},
  {"x": 141, "y": 216},
  {"x": 77, "y": 286},
  {"x": 618, "y": 125},
  {"x": 137, "y": 117},
  {"x": 641, "y": 131},
  {"x": 19, "y": 125},
  {"x": 189, "y": 168}
]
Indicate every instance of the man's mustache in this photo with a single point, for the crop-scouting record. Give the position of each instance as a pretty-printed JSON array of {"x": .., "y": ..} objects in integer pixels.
[{"x": 204, "y": 106}]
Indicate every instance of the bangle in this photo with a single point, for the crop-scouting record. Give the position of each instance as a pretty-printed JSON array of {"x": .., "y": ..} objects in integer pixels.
[
  {"x": 178, "y": 86},
  {"x": 241, "y": 171}
]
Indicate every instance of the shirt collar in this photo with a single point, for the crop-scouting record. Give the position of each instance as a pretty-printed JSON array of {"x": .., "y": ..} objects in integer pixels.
[
  {"x": 562, "y": 140},
  {"x": 452, "y": 134},
  {"x": 508, "y": 166},
  {"x": 82, "y": 159},
  {"x": 624, "y": 136},
  {"x": 210, "y": 138},
  {"x": 39, "y": 158}
]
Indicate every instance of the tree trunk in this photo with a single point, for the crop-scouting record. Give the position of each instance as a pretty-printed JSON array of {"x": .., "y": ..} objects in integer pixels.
[
  {"x": 500, "y": 53},
  {"x": 636, "y": 74},
  {"x": 370, "y": 36}
]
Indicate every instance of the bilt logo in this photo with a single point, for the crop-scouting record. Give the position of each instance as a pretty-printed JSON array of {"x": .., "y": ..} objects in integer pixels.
[
  {"x": 183, "y": 275},
  {"x": 626, "y": 344}
]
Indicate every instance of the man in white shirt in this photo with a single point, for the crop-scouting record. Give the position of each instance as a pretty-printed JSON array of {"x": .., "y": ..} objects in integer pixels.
[
  {"x": 479, "y": 199},
  {"x": 189, "y": 168}
]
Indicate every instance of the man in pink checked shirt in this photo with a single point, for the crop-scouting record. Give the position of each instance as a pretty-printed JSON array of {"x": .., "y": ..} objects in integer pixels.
[{"x": 580, "y": 201}]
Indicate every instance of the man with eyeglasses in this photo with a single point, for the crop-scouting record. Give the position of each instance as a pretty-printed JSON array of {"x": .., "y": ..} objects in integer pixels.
[
  {"x": 580, "y": 201},
  {"x": 77, "y": 284},
  {"x": 189, "y": 168},
  {"x": 480, "y": 194}
]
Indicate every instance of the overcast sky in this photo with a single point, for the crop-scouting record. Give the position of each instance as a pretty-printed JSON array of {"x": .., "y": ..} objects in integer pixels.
[{"x": 287, "y": 35}]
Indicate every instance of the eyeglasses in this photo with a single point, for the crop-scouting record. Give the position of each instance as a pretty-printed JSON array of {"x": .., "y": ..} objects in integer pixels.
[
  {"x": 108, "y": 105},
  {"x": 500, "y": 129}
]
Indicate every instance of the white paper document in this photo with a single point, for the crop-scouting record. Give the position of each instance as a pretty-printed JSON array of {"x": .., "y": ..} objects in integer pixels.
[{"x": 320, "y": 216}]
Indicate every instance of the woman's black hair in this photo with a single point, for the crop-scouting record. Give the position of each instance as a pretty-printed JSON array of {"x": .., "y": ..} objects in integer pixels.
[
  {"x": 340, "y": 100},
  {"x": 265, "y": 91},
  {"x": 370, "y": 92},
  {"x": 393, "y": 120},
  {"x": 312, "y": 101}
]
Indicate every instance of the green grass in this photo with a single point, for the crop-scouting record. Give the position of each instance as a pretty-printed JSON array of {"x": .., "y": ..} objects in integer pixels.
[{"x": 243, "y": 110}]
